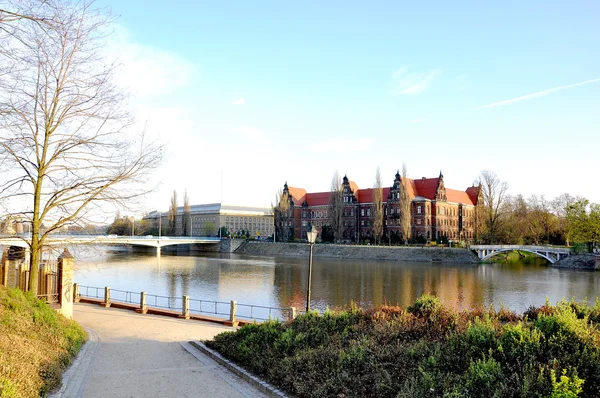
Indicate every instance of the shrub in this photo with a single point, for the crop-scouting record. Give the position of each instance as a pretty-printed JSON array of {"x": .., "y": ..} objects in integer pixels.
[
  {"x": 565, "y": 387},
  {"x": 426, "y": 351},
  {"x": 482, "y": 378},
  {"x": 425, "y": 306}
]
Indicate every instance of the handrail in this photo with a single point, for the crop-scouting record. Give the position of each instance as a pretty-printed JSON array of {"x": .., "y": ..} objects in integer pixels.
[{"x": 194, "y": 306}]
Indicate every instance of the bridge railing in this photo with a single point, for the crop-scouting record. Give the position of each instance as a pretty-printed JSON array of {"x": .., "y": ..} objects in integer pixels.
[
  {"x": 522, "y": 247},
  {"x": 185, "y": 305}
]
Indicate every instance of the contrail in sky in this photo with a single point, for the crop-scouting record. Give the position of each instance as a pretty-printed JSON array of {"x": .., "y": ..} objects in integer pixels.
[{"x": 538, "y": 94}]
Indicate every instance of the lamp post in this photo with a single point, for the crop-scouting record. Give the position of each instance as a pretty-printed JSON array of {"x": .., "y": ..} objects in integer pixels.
[{"x": 311, "y": 236}]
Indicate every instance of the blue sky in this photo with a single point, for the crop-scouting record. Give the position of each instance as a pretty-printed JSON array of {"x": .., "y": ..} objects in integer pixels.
[{"x": 267, "y": 92}]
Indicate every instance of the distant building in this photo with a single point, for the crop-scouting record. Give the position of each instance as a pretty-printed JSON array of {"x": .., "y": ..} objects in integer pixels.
[
  {"x": 436, "y": 211},
  {"x": 207, "y": 219}
]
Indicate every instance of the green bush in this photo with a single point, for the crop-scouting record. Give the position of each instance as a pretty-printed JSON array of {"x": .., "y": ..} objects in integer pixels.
[
  {"x": 565, "y": 387},
  {"x": 426, "y": 351}
]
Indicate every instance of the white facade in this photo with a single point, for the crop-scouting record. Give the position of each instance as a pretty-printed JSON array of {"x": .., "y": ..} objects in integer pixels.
[{"x": 207, "y": 219}]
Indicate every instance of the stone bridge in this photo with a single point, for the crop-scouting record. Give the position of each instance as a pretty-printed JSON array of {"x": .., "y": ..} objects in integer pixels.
[{"x": 550, "y": 253}]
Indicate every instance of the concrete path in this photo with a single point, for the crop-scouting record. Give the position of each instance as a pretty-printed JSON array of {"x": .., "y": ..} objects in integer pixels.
[{"x": 134, "y": 355}]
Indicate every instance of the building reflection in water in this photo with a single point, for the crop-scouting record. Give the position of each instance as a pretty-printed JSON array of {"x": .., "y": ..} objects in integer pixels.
[{"x": 281, "y": 282}]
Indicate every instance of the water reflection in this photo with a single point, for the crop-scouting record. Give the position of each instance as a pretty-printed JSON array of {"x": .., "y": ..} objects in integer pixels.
[{"x": 281, "y": 282}]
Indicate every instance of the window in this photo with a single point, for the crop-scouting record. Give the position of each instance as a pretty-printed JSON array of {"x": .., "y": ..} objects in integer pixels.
[
  {"x": 419, "y": 209},
  {"x": 418, "y": 221},
  {"x": 369, "y": 212},
  {"x": 362, "y": 223},
  {"x": 362, "y": 212}
]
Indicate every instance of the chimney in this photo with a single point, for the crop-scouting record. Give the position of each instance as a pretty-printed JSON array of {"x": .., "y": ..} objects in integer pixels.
[{"x": 423, "y": 179}]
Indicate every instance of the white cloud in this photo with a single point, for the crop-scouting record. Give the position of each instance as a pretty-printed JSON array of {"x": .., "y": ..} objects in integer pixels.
[
  {"x": 239, "y": 101},
  {"x": 538, "y": 94},
  {"x": 254, "y": 134},
  {"x": 145, "y": 70},
  {"x": 406, "y": 82},
  {"x": 341, "y": 145}
]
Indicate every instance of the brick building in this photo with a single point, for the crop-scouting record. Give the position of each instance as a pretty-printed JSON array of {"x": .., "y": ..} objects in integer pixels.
[{"x": 436, "y": 211}]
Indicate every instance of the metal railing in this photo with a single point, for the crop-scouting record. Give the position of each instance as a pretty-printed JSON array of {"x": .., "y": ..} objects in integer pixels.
[
  {"x": 231, "y": 311},
  {"x": 124, "y": 296}
]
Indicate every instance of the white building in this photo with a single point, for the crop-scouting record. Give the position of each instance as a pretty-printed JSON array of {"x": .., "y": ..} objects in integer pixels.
[{"x": 207, "y": 219}]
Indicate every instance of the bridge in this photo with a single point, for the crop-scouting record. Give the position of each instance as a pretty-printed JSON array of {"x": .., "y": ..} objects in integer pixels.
[
  {"x": 552, "y": 254},
  {"x": 149, "y": 241}
]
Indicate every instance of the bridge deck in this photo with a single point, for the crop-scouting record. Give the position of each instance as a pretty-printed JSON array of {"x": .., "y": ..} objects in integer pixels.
[{"x": 111, "y": 240}]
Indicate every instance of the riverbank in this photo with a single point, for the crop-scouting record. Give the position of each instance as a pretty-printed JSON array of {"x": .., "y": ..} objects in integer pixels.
[
  {"x": 579, "y": 261},
  {"x": 36, "y": 345},
  {"x": 393, "y": 253}
]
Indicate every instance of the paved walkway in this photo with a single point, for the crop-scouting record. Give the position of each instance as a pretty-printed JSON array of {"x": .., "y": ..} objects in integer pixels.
[{"x": 134, "y": 355}]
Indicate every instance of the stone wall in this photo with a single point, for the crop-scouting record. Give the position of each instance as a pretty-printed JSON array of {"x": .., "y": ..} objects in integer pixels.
[
  {"x": 231, "y": 245},
  {"x": 419, "y": 254},
  {"x": 579, "y": 261}
]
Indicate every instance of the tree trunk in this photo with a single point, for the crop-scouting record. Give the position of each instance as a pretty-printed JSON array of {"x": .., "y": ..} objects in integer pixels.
[{"x": 34, "y": 263}]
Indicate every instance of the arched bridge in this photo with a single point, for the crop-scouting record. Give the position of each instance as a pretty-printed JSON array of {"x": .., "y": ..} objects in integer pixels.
[
  {"x": 150, "y": 241},
  {"x": 552, "y": 254}
]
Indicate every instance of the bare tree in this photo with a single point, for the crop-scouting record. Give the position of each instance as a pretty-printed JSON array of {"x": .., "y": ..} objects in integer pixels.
[
  {"x": 377, "y": 208},
  {"x": 494, "y": 196},
  {"x": 282, "y": 215},
  {"x": 32, "y": 10},
  {"x": 14, "y": 22},
  {"x": 405, "y": 205},
  {"x": 172, "y": 216},
  {"x": 186, "y": 221},
  {"x": 64, "y": 149},
  {"x": 336, "y": 207}
]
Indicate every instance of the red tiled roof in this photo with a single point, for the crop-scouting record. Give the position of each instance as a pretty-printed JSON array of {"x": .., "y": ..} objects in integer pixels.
[
  {"x": 318, "y": 198},
  {"x": 458, "y": 197},
  {"x": 298, "y": 195},
  {"x": 426, "y": 187},
  {"x": 473, "y": 193},
  {"x": 366, "y": 195},
  {"x": 412, "y": 189}
]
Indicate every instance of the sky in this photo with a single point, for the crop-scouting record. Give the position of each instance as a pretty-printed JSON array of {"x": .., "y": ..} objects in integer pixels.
[{"x": 249, "y": 95}]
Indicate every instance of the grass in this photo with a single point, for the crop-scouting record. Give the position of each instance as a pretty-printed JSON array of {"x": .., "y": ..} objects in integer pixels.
[
  {"x": 426, "y": 350},
  {"x": 36, "y": 345}
]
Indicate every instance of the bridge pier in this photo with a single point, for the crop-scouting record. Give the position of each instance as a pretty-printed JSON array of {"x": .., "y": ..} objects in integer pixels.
[{"x": 157, "y": 251}]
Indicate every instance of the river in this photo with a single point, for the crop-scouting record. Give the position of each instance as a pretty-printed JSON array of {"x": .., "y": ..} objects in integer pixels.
[{"x": 281, "y": 282}]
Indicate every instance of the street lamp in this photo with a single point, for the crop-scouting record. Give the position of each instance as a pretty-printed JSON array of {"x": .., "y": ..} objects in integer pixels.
[{"x": 311, "y": 236}]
